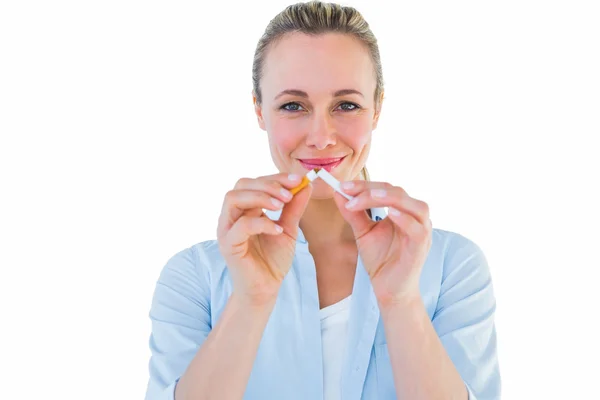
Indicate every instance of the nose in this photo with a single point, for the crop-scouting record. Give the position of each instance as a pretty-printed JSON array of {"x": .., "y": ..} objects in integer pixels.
[{"x": 322, "y": 132}]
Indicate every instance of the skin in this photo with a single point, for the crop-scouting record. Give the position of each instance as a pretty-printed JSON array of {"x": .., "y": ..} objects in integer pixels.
[{"x": 321, "y": 124}]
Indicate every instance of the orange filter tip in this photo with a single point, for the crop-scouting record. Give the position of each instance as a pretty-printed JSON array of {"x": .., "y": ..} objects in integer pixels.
[{"x": 305, "y": 181}]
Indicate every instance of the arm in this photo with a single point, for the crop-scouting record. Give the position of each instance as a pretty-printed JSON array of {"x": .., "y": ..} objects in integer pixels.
[
  {"x": 222, "y": 366},
  {"x": 455, "y": 353},
  {"x": 421, "y": 366},
  {"x": 190, "y": 358}
]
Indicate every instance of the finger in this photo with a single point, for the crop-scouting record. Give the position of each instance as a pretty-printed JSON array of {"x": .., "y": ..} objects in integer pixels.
[
  {"x": 293, "y": 211},
  {"x": 245, "y": 200},
  {"x": 270, "y": 183},
  {"x": 246, "y": 226},
  {"x": 359, "y": 220},
  {"x": 355, "y": 187},
  {"x": 409, "y": 225},
  {"x": 277, "y": 186},
  {"x": 385, "y": 195}
]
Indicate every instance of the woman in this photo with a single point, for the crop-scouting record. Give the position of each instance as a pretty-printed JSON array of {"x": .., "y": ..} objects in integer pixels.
[{"x": 323, "y": 298}]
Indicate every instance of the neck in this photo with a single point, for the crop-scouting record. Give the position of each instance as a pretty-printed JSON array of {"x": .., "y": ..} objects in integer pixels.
[{"x": 323, "y": 224}]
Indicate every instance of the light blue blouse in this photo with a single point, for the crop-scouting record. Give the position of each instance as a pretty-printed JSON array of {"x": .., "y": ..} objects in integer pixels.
[{"x": 456, "y": 287}]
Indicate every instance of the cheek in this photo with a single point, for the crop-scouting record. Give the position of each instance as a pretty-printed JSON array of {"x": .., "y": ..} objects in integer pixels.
[
  {"x": 355, "y": 132},
  {"x": 285, "y": 134}
]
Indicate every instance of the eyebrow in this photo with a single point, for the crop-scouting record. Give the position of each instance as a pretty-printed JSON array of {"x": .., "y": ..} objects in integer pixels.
[{"x": 300, "y": 93}]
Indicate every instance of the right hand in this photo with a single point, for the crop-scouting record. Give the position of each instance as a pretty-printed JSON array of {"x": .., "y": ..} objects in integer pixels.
[{"x": 257, "y": 254}]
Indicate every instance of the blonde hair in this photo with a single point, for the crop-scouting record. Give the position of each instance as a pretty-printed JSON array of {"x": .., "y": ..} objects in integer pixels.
[{"x": 316, "y": 18}]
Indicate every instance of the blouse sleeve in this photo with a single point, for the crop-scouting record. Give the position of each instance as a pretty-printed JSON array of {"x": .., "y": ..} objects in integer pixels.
[
  {"x": 464, "y": 318},
  {"x": 180, "y": 318}
]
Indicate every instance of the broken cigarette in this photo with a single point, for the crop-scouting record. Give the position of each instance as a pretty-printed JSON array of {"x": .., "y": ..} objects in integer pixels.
[
  {"x": 306, "y": 179},
  {"x": 334, "y": 183},
  {"x": 323, "y": 174}
]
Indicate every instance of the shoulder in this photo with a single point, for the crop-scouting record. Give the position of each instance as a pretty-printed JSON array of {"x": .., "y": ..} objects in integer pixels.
[
  {"x": 197, "y": 264},
  {"x": 456, "y": 264},
  {"x": 457, "y": 252},
  {"x": 450, "y": 243},
  {"x": 464, "y": 277}
]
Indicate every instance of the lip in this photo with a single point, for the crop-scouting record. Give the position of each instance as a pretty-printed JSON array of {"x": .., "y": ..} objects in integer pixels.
[{"x": 327, "y": 164}]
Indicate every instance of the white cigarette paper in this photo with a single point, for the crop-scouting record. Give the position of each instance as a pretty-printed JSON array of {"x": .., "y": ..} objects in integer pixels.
[{"x": 331, "y": 181}]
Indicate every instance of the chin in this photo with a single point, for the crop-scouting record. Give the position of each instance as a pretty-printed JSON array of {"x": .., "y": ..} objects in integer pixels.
[{"x": 345, "y": 175}]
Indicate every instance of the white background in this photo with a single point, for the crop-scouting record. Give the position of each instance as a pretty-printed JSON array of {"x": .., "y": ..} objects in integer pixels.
[{"x": 123, "y": 123}]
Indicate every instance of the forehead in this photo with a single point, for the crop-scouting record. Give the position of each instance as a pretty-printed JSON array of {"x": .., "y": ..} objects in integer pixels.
[{"x": 318, "y": 64}]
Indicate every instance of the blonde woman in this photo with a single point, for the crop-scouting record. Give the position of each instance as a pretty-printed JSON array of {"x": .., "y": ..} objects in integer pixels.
[{"x": 321, "y": 297}]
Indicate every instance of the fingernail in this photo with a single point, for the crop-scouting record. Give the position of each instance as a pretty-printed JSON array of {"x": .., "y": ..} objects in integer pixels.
[
  {"x": 393, "y": 211},
  {"x": 378, "y": 192},
  {"x": 276, "y": 202},
  {"x": 286, "y": 193},
  {"x": 352, "y": 203},
  {"x": 278, "y": 228},
  {"x": 347, "y": 185},
  {"x": 294, "y": 177}
]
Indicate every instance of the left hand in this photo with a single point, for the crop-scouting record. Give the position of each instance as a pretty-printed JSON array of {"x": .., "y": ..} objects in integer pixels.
[{"x": 394, "y": 249}]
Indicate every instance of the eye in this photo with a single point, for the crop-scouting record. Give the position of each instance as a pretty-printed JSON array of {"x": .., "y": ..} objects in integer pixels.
[
  {"x": 347, "y": 106},
  {"x": 291, "y": 107}
]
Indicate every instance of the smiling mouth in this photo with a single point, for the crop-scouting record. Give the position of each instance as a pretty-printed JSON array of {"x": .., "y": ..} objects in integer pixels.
[{"x": 327, "y": 164}]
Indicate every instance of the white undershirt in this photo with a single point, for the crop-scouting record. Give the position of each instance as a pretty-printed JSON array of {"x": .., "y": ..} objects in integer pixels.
[{"x": 334, "y": 324}]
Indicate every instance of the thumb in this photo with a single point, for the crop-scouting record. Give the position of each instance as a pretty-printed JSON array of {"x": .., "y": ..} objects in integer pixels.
[
  {"x": 359, "y": 220},
  {"x": 293, "y": 211}
]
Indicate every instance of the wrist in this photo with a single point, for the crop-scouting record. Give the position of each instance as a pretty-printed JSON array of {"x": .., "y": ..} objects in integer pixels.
[
  {"x": 254, "y": 303},
  {"x": 405, "y": 302}
]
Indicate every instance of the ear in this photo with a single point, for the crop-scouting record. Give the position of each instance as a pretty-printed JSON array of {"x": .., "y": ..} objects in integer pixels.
[
  {"x": 258, "y": 111},
  {"x": 377, "y": 112}
]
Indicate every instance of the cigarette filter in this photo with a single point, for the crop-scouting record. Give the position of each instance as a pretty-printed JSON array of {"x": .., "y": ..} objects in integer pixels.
[{"x": 306, "y": 179}]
